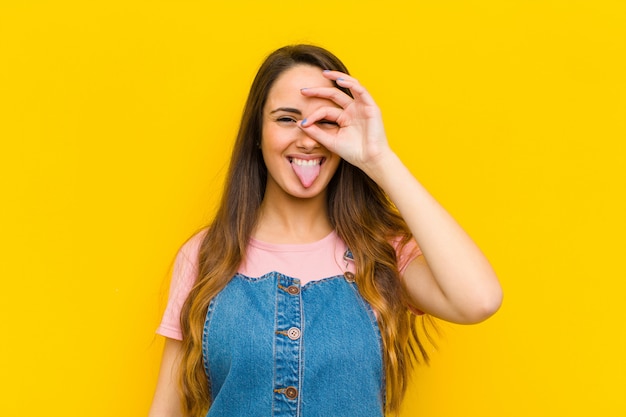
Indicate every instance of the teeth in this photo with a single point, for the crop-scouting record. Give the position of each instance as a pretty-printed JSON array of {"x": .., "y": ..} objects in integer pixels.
[{"x": 306, "y": 162}]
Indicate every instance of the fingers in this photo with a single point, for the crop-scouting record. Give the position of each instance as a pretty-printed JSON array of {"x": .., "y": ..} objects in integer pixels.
[
  {"x": 337, "y": 96},
  {"x": 320, "y": 135},
  {"x": 322, "y": 125},
  {"x": 330, "y": 93},
  {"x": 342, "y": 124},
  {"x": 326, "y": 117},
  {"x": 346, "y": 81}
]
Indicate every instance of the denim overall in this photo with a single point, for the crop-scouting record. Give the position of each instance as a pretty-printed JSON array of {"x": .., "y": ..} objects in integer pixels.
[{"x": 272, "y": 347}]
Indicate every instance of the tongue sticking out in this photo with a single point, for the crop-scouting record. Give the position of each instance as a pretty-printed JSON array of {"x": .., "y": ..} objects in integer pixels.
[{"x": 307, "y": 171}]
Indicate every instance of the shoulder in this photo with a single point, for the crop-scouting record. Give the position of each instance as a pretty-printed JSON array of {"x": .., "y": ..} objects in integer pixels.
[
  {"x": 189, "y": 250},
  {"x": 186, "y": 262}
]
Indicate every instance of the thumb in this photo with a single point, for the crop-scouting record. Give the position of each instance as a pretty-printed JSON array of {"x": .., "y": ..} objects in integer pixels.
[{"x": 318, "y": 134}]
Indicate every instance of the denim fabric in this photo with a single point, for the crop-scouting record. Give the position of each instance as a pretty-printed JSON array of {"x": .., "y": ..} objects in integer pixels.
[{"x": 272, "y": 347}]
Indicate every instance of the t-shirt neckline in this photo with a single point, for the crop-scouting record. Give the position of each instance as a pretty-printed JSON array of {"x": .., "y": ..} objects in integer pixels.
[{"x": 293, "y": 247}]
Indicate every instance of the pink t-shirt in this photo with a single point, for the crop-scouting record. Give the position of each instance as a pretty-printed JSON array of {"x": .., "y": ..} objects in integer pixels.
[{"x": 307, "y": 262}]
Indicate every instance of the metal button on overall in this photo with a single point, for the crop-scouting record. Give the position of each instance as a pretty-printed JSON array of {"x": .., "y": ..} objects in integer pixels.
[
  {"x": 291, "y": 393},
  {"x": 293, "y": 290}
]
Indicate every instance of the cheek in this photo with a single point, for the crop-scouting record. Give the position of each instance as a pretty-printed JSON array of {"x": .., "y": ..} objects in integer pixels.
[
  {"x": 270, "y": 137},
  {"x": 334, "y": 165},
  {"x": 272, "y": 147}
]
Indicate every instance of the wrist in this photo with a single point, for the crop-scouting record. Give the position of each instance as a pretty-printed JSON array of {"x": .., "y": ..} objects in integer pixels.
[{"x": 381, "y": 168}]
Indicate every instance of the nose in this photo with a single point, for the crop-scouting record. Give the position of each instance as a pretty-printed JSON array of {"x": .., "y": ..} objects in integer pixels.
[{"x": 305, "y": 142}]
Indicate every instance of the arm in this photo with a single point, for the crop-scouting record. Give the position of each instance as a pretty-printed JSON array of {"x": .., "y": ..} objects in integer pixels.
[
  {"x": 166, "y": 401},
  {"x": 452, "y": 280}
]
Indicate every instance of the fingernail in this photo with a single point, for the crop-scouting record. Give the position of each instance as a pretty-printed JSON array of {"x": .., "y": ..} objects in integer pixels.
[
  {"x": 340, "y": 79},
  {"x": 326, "y": 71},
  {"x": 303, "y": 123},
  {"x": 305, "y": 88}
]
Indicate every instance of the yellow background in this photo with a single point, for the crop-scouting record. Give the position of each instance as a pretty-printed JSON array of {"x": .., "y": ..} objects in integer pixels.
[{"x": 116, "y": 121}]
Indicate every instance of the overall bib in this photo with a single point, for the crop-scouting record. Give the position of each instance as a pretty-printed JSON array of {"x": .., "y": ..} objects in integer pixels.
[{"x": 272, "y": 347}]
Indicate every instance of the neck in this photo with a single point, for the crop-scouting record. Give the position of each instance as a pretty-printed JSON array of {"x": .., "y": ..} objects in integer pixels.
[{"x": 292, "y": 220}]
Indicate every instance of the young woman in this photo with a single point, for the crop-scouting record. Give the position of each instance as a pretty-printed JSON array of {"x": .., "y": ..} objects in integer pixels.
[{"x": 295, "y": 300}]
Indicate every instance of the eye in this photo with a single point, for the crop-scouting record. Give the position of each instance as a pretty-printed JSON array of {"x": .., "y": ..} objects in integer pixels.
[
  {"x": 286, "y": 119},
  {"x": 327, "y": 124}
]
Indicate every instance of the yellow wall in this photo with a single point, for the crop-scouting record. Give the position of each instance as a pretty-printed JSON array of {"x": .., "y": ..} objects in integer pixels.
[{"x": 115, "y": 126}]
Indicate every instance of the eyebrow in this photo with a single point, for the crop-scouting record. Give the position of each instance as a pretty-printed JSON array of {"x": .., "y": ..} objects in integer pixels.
[{"x": 287, "y": 110}]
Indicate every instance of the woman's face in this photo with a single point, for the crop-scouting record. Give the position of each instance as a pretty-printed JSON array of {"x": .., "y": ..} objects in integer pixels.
[{"x": 296, "y": 164}]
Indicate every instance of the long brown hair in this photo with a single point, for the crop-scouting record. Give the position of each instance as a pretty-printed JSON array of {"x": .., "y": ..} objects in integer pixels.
[{"x": 359, "y": 211}]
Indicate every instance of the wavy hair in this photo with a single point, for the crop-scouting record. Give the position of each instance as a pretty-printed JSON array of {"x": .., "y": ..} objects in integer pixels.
[{"x": 359, "y": 211}]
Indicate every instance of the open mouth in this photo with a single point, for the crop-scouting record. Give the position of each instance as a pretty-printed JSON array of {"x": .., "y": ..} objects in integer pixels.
[{"x": 307, "y": 170}]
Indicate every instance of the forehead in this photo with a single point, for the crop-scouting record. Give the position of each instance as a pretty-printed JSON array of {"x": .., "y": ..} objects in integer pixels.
[{"x": 288, "y": 85}]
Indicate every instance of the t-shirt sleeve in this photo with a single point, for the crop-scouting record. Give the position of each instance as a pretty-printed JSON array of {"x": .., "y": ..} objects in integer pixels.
[
  {"x": 183, "y": 278},
  {"x": 405, "y": 255}
]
